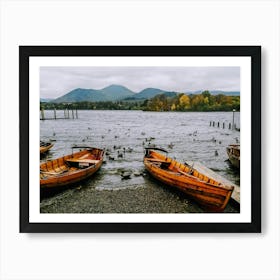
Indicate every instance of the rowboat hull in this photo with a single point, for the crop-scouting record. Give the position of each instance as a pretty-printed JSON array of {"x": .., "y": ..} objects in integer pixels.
[
  {"x": 233, "y": 152},
  {"x": 207, "y": 192},
  {"x": 45, "y": 146},
  {"x": 70, "y": 169}
]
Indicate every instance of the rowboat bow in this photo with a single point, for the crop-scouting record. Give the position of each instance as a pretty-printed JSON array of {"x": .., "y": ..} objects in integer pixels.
[
  {"x": 233, "y": 152},
  {"x": 45, "y": 146}
]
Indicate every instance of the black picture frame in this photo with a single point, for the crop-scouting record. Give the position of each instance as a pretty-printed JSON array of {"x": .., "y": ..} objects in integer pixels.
[{"x": 254, "y": 52}]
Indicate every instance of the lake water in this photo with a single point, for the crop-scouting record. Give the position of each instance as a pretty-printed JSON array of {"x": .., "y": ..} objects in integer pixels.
[{"x": 186, "y": 135}]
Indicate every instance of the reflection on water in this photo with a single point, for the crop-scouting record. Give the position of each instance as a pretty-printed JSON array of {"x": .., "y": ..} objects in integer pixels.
[{"x": 187, "y": 136}]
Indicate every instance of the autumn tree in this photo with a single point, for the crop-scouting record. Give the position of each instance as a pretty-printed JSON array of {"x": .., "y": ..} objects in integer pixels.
[{"x": 184, "y": 102}]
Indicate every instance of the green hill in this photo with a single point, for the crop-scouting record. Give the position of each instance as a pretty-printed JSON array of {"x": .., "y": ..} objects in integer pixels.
[{"x": 110, "y": 93}]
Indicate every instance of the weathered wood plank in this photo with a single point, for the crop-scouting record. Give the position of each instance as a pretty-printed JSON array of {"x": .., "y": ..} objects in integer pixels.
[{"x": 210, "y": 173}]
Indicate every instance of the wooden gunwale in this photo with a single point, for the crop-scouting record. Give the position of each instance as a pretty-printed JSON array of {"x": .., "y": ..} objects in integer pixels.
[
  {"x": 190, "y": 190},
  {"x": 176, "y": 177}
]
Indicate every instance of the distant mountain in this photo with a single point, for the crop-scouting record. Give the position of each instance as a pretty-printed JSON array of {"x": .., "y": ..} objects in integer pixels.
[
  {"x": 110, "y": 93},
  {"x": 170, "y": 93},
  {"x": 118, "y": 92},
  {"x": 148, "y": 93},
  {"x": 79, "y": 95},
  {"x": 216, "y": 92},
  {"x": 229, "y": 93}
]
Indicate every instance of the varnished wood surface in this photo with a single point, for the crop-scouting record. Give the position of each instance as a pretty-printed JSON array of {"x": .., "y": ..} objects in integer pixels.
[
  {"x": 205, "y": 190},
  {"x": 71, "y": 168}
]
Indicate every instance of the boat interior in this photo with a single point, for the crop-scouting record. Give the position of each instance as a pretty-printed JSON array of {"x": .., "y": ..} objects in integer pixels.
[
  {"x": 171, "y": 165},
  {"x": 70, "y": 163}
]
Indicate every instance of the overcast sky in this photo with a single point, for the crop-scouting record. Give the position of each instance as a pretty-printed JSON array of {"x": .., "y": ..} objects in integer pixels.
[{"x": 57, "y": 81}]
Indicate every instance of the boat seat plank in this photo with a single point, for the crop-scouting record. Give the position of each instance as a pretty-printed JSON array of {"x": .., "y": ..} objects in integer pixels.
[{"x": 84, "y": 156}]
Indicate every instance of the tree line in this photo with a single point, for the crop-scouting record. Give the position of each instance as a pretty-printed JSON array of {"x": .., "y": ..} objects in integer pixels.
[
  {"x": 180, "y": 102},
  {"x": 193, "y": 102}
]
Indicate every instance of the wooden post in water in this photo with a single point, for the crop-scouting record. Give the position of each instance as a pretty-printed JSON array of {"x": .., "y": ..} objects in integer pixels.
[
  {"x": 210, "y": 123},
  {"x": 54, "y": 112},
  {"x": 218, "y": 124},
  {"x": 223, "y": 125},
  {"x": 76, "y": 113},
  {"x": 73, "y": 113},
  {"x": 229, "y": 126},
  {"x": 42, "y": 114},
  {"x": 233, "y": 118},
  {"x": 214, "y": 124},
  {"x": 68, "y": 113}
]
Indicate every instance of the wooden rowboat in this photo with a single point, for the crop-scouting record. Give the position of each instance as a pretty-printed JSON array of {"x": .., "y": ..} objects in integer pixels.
[
  {"x": 71, "y": 168},
  {"x": 45, "y": 146},
  {"x": 233, "y": 152},
  {"x": 206, "y": 191}
]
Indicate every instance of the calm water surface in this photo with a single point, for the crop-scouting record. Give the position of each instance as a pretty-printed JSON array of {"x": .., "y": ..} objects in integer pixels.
[{"x": 186, "y": 135}]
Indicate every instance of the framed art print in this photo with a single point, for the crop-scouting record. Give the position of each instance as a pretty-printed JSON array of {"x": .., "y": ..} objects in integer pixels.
[{"x": 140, "y": 138}]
